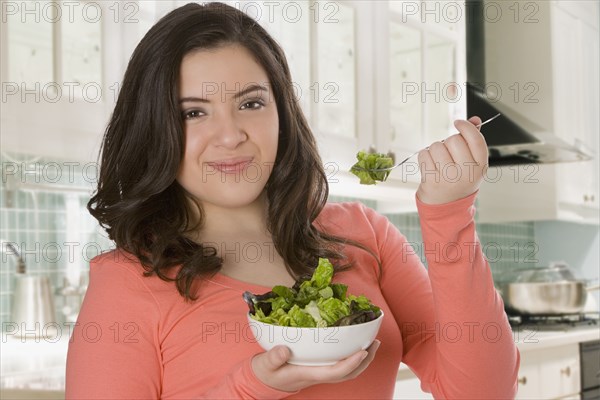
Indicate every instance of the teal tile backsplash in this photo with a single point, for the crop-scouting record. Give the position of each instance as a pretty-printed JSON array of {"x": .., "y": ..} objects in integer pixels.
[
  {"x": 44, "y": 212},
  {"x": 506, "y": 246}
]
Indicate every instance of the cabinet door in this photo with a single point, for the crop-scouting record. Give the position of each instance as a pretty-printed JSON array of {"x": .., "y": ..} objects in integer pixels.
[
  {"x": 336, "y": 72},
  {"x": 30, "y": 52},
  {"x": 575, "y": 46},
  {"x": 566, "y": 41},
  {"x": 341, "y": 98},
  {"x": 529, "y": 376},
  {"x": 591, "y": 104},
  {"x": 406, "y": 77},
  {"x": 561, "y": 371},
  {"x": 57, "y": 98},
  {"x": 424, "y": 93},
  {"x": 424, "y": 64}
]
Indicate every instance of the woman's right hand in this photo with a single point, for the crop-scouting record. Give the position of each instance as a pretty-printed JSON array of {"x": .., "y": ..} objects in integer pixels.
[{"x": 271, "y": 368}]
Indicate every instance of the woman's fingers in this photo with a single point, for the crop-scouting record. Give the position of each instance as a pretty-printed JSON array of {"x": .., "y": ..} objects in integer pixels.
[
  {"x": 278, "y": 356},
  {"x": 474, "y": 139},
  {"x": 475, "y": 120},
  {"x": 365, "y": 363},
  {"x": 453, "y": 169},
  {"x": 352, "y": 369},
  {"x": 271, "y": 367},
  {"x": 440, "y": 155},
  {"x": 459, "y": 149},
  {"x": 335, "y": 372},
  {"x": 425, "y": 161},
  {"x": 272, "y": 359}
]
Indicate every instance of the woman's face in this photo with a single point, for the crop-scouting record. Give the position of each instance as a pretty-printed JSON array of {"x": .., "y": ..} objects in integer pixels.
[{"x": 231, "y": 126}]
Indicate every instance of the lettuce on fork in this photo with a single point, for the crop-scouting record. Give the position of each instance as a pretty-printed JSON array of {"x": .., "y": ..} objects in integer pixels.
[
  {"x": 367, "y": 165},
  {"x": 313, "y": 301}
]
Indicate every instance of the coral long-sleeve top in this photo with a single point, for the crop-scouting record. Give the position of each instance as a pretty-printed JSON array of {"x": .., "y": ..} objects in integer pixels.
[{"x": 136, "y": 338}]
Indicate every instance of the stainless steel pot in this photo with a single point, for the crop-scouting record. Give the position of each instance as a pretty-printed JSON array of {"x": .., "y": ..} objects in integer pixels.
[
  {"x": 545, "y": 291},
  {"x": 547, "y": 298}
]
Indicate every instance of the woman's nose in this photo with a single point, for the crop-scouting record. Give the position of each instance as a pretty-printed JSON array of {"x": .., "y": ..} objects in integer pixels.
[{"x": 229, "y": 133}]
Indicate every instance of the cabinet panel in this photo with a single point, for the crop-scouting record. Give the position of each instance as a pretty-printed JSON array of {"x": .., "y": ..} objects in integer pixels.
[
  {"x": 550, "y": 374},
  {"x": 30, "y": 46},
  {"x": 529, "y": 376},
  {"x": 335, "y": 88},
  {"x": 81, "y": 51},
  {"x": 442, "y": 88},
  {"x": 575, "y": 59},
  {"x": 561, "y": 372},
  {"x": 565, "y": 191},
  {"x": 406, "y": 111}
]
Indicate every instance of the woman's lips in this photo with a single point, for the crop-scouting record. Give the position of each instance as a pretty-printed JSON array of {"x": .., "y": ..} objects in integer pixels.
[{"x": 231, "y": 166}]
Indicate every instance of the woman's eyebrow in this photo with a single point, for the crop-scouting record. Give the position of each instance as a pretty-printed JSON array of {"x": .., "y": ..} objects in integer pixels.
[{"x": 248, "y": 89}]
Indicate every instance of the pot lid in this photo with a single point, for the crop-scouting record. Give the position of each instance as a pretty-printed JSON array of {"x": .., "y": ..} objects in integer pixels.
[{"x": 556, "y": 272}]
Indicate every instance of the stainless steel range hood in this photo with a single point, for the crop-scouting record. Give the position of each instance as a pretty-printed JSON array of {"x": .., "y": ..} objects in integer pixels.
[{"x": 500, "y": 55}]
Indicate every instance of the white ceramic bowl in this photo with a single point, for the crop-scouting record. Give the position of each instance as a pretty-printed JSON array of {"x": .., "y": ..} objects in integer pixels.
[{"x": 316, "y": 346}]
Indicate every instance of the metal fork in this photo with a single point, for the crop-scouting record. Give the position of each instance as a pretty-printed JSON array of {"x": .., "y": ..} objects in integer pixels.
[{"x": 417, "y": 152}]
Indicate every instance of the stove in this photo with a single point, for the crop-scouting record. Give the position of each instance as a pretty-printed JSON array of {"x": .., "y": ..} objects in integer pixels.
[{"x": 561, "y": 322}]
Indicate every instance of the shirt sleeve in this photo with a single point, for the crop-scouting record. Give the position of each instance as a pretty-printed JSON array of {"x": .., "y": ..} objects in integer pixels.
[
  {"x": 456, "y": 337},
  {"x": 114, "y": 351}
]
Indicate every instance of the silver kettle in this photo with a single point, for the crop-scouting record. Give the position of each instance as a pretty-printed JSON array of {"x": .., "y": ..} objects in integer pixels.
[
  {"x": 33, "y": 307},
  {"x": 32, "y": 303}
]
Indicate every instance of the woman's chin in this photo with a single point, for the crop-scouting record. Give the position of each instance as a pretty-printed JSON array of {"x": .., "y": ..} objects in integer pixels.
[{"x": 234, "y": 196}]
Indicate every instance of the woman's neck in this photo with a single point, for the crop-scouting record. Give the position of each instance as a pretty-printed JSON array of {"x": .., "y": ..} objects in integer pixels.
[{"x": 233, "y": 222}]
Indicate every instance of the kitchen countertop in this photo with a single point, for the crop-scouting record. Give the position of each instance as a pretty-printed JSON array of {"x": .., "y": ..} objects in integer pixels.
[
  {"x": 36, "y": 364},
  {"x": 39, "y": 365},
  {"x": 533, "y": 340}
]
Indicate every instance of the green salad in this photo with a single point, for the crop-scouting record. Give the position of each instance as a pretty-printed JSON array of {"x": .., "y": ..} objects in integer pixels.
[
  {"x": 367, "y": 163},
  {"x": 313, "y": 301}
]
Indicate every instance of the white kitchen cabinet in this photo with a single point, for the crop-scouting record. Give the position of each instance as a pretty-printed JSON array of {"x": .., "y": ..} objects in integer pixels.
[
  {"x": 576, "y": 97},
  {"x": 59, "y": 104},
  {"x": 340, "y": 74},
  {"x": 344, "y": 56},
  {"x": 566, "y": 105},
  {"x": 561, "y": 372},
  {"x": 401, "y": 59},
  {"x": 551, "y": 373},
  {"x": 529, "y": 377}
]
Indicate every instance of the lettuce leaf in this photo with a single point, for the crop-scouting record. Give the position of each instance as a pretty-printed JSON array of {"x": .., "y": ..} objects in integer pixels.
[
  {"x": 312, "y": 302},
  {"x": 367, "y": 163}
]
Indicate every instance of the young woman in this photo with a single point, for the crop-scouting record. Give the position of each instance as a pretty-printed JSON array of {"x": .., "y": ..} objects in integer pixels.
[{"x": 207, "y": 154}]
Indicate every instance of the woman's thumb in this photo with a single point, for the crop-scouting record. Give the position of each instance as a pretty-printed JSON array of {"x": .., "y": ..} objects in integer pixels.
[{"x": 278, "y": 356}]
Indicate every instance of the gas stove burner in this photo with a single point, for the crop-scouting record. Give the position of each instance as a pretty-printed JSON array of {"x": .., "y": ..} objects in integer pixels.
[{"x": 551, "y": 322}]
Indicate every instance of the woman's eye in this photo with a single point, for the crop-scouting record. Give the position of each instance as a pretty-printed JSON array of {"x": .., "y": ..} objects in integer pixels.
[
  {"x": 254, "y": 104},
  {"x": 192, "y": 114}
]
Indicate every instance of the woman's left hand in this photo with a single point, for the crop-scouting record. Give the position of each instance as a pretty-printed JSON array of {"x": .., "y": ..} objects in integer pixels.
[{"x": 453, "y": 169}]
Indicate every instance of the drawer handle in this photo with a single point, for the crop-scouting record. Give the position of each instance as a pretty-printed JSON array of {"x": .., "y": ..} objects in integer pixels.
[
  {"x": 566, "y": 371},
  {"x": 523, "y": 380}
]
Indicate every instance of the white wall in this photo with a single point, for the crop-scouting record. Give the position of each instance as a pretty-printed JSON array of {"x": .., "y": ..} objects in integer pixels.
[{"x": 576, "y": 244}]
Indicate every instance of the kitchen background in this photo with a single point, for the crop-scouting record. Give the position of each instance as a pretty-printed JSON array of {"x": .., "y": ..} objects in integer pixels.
[
  {"x": 387, "y": 74},
  {"x": 57, "y": 237}
]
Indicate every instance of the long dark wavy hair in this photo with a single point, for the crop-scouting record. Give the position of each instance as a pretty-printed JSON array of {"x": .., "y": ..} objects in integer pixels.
[{"x": 138, "y": 201}]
